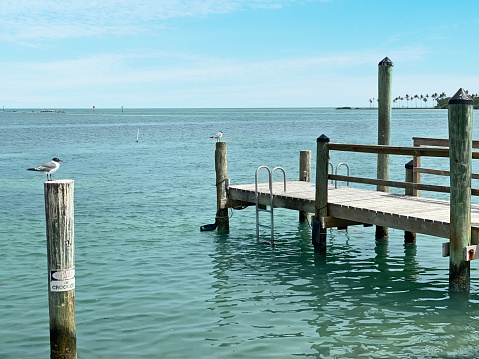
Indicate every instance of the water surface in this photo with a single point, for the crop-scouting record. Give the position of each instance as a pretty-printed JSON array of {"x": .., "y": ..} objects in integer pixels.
[{"x": 149, "y": 284}]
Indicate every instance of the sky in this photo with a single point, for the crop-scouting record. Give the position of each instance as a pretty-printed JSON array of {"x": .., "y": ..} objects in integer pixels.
[{"x": 231, "y": 53}]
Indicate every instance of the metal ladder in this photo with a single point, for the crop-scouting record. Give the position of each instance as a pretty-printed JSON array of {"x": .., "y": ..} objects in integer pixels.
[
  {"x": 270, "y": 173},
  {"x": 347, "y": 174}
]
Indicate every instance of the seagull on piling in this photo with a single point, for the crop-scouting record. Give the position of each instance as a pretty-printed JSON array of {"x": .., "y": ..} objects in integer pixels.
[
  {"x": 48, "y": 167},
  {"x": 218, "y": 136}
]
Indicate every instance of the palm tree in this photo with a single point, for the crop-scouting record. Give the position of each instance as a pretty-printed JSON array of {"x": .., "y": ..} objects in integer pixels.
[
  {"x": 416, "y": 97},
  {"x": 370, "y": 103},
  {"x": 407, "y": 100},
  {"x": 422, "y": 99},
  {"x": 427, "y": 99}
]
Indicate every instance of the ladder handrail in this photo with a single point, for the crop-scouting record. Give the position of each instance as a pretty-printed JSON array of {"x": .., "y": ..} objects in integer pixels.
[
  {"x": 284, "y": 175},
  {"x": 256, "y": 181},
  {"x": 257, "y": 200},
  {"x": 339, "y": 165},
  {"x": 256, "y": 193}
]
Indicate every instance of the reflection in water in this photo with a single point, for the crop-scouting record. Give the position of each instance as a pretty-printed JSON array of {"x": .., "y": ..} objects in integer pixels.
[{"x": 363, "y": 299}]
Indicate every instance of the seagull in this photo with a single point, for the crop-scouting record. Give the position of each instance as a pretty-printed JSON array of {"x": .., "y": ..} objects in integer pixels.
[
  {"x": 48, "y": 167},
  {"x": 218, "y": 136}
]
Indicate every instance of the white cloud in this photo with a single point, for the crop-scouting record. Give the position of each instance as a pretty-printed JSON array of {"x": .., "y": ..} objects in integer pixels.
[
  {"x": 27, "y": 20},
  {"x": 178, "y": 78}
]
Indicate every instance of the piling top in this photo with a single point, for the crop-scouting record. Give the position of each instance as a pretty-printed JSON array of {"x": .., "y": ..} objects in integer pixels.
[
  {"x": 461, "y": 97},
  {"x": 61, "y": 181},
  {"x": 409, "y": 165},
  {"x": 386, "y": 62},
  {"x": 221, "y": 146},
  {"x": 323, "y": 138},
  {"x": 67, "y": 181}
]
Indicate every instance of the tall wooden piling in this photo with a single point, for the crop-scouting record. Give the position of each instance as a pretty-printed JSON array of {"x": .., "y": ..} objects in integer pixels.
[
  {"x": 222, "y": 219},
  {"x": 61, "y": 267},
  {"x": 321, "y": 195},
  {"x": 409, "y": 237},
  {"x": 460, "y": 115},
  {"x": 385, "y": 72},
  {"x": 304, "y": 175}
]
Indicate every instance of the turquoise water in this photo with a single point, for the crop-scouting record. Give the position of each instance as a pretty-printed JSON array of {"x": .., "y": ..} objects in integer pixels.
[{"x": 149, "y": 284}]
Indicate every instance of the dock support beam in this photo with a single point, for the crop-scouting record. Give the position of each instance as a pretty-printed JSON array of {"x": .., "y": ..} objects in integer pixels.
[
  {"x": 460, "y": 115},
  {"x": 222, "y": 219},
  {"x": 321, "y": 197},
  {"x": 384, "y": 128},
  {"x": 409, "y": 237},
  {"x": 304, "y": 175},
  {"x": 61, "y": 268}
]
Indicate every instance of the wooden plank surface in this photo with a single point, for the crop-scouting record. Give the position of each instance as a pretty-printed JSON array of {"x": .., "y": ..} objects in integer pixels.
[{"x": 415, "y": 214}]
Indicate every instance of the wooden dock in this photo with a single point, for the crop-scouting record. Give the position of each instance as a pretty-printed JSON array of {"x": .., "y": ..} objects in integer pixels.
[
  {"x": 353, "y": 206},
  {"x": 457, "y": 219}
]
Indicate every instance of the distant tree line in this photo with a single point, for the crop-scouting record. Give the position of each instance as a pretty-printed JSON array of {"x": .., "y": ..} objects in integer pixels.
[
  {"x": 438, "y": 101},
  {"x": 444, "y": 101}
]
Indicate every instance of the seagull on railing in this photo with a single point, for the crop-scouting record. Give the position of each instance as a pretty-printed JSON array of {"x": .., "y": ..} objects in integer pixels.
[
  {"x": 218, "y": 136},
  {"x": 48, "y": 167}
]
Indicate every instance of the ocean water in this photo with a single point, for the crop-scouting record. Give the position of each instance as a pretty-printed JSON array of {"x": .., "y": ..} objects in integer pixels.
[{"x": 149, "y": 284}]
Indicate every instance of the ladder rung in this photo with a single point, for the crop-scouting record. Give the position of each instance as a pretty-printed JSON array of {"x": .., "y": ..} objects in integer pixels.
[
  {"x": 263, "y": 225},
  {"x": 264, "y": 210}
]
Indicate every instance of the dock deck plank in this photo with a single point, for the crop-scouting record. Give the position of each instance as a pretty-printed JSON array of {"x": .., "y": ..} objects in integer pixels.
[{"x": 414, "y": 214}]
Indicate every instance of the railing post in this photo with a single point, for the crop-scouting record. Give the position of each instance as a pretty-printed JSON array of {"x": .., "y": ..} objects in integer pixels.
[
  {"x": 416, "y": 176},
  {"x": 222, "y": 219},
  {"x": 61, "y": 268},
  {"x": 460, "y": 115},
  {"x": 321, "y": 197},
  {"x": 384, "y": 127},
  {"x": 409, "y": 237},
  {"x": 304, "y": 169}
]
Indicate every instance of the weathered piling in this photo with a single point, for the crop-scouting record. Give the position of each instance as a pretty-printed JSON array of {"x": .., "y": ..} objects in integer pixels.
[
  {"x": 409, "y": 237},
  {"x": 321, "y": 195},
  {"x": 384, "y": 127},
  {"x": 304, "y": 175},
  {"x": 61, "y": 267},
  {"x": 460, "y": 115},
  {"x": 222, "y": 219}
]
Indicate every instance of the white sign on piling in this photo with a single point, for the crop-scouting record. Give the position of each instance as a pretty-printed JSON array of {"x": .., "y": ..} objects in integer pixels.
[{"x": 62, "y": 280}]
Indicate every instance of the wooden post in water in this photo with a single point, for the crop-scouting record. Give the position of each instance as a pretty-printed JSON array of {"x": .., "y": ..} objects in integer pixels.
[
  {"x": 409, "y": 237},
  {"x": 385, "y": 72},
  {"x": 304, "y": 175},
  {"x": 222, "y": 219},
  {"x": 460, "y": 114},
  {"x": 321, "y": 196},
  {"x": 61, "y": 268}
]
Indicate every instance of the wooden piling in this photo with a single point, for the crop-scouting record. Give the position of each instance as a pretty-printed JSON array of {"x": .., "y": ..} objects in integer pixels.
[
  {"x": 409, "y": 237},
  {"x": 460, "y": 115},
  {"x": 384, "y": 127},
  {"x": 304, "y": 175},
  {"x": 321, "y": 195},
  {"x": 61, "y": 267},
  {"x": 222, "y": 219}
]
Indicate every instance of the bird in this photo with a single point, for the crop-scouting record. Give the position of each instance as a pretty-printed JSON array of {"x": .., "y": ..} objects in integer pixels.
[
  {"x": 218, "y": 136},
  {"x": 48, "y": 167}
]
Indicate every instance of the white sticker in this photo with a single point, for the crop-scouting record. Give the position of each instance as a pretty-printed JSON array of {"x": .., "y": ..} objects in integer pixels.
[{"x": 62, "y": 280}]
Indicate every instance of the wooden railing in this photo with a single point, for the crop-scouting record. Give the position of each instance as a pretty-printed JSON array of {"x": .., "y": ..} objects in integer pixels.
[
  {"x": 438, "y": 149},
  {"x": 438, "y": 142}
]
